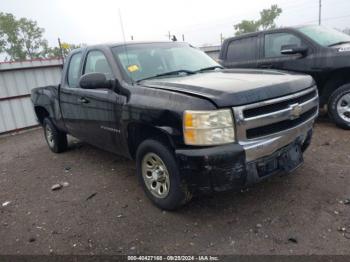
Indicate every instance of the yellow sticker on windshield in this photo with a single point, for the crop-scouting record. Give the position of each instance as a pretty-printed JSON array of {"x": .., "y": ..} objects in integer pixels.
[{"x": 133, "y": 68}]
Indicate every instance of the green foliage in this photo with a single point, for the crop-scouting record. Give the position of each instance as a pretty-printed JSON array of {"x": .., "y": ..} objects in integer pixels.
[
  {"x": 31, "y": 38},
  {"x": 266, "y": 21},
  {"x": 9, "y": 40},
  {"x": 268, "y": 16},
  {"x": 22, "y": 39},
  {"x": 246, "y": 26},
  {"x": 63, "y": 51}
]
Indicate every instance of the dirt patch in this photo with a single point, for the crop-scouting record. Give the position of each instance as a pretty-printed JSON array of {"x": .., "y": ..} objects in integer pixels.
[{"x": 101, "y": 209}]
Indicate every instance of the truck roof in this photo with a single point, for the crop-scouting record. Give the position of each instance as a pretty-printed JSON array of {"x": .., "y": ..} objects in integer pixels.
[
  {"x": 113, "y": 44},
  {"x": 268, "y": 31}
]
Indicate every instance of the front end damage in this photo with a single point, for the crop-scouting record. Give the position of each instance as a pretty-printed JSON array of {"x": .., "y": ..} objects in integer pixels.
[
  {"x": 226, "y": 168},
  {"x": 271, "y": 138}
]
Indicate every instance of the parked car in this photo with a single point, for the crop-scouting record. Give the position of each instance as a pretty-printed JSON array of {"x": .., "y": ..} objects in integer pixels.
[
  {"x": 315, "y": 50},
  {"x": 192, "y": 126}
]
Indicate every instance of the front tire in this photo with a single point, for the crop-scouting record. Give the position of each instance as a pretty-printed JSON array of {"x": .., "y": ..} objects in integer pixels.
[
  {"x": 159, "y": 175},
  {"x": 339, "y": 106},
  {"x": 56, "y": 139}
]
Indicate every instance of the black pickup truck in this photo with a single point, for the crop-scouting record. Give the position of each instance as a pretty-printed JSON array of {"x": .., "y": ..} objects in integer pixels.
[
  {"x": 192, "y": 126},
  {"x": 319, "y": 51}
]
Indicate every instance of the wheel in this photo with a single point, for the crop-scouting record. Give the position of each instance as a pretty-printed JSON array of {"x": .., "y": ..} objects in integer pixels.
[
  {"x": 56, "y": 139},
  {"x": 339, "y": 106},
  {"x": 159, "y": 175}
]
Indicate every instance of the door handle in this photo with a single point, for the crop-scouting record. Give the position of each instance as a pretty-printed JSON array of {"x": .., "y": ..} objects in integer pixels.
[{"x": 83, "y": 100}]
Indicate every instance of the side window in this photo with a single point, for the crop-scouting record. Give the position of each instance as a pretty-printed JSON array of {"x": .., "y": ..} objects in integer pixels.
[
  {"x": 73, "y": 70},
  {"x": 242, "y": 49},
  {"x": 275, "y": 42},
  {"x": 96, "y": 62}
]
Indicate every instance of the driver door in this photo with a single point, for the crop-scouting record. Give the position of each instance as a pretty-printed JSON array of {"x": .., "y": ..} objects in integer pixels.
[
  {"x": 101, "y": 107},
  {"x": 272, "y": 57}
]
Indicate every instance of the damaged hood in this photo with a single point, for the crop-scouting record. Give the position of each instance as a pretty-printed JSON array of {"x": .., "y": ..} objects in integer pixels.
[{"x": 234, "y": 87}]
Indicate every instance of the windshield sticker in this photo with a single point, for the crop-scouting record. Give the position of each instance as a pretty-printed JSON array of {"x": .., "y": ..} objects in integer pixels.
[{"x": 133, "y": 68}]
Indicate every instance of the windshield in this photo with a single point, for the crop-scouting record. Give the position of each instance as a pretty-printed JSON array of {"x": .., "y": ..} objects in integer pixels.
[
  {"x": 141, "y": 61},
  {"x": 324, "y": 36}
]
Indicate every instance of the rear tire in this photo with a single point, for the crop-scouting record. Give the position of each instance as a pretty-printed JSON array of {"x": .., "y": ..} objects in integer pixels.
[
  {"x": 159, "y": 175},
  {"x": 56, "y": 139},
  {"x": 339, "y": 106}
]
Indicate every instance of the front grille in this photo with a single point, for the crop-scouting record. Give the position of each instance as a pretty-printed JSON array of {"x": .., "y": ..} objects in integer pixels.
[
  {"x": 275, "y": 115},
  {"x": 280, "y": 126},
  {"x": 278, "y": 106}
]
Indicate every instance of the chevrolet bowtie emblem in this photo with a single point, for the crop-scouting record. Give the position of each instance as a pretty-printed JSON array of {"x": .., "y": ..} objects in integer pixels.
[{"x": 295, "y": 111}]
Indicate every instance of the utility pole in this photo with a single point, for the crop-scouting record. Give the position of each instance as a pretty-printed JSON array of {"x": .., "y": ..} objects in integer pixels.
[
  {"x": 183, "y": 38},
  {"x": 61, "y": 50},
  {"x": 319, "y": 11},
  {"x": 169, "y": 35}
]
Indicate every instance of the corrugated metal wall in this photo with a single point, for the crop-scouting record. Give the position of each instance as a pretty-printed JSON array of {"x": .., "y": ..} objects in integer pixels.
[{"x": 17, "y": 79}]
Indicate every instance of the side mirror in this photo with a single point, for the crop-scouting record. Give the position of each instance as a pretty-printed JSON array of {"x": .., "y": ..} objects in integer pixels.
[
  {"x": 292, "y": 50},
  {"x": 94, "y": 81}
]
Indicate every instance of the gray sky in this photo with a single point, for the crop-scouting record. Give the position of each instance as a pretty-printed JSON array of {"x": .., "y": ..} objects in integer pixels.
[{"x": 96, "y": 21}]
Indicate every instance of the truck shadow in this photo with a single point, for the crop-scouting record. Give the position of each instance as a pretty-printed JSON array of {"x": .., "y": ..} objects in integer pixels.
[{"x": 252, "y": 198}]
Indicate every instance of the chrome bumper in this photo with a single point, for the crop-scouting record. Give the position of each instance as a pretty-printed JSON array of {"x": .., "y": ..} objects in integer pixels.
[
  {"x": 258, "y": 148},
  {"x": 265, "y": 145}
]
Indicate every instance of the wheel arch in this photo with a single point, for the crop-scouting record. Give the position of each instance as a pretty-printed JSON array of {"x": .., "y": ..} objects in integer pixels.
[
  {"x": 139, "y": 132},
  {"x": 335, "y": 79},
  {"x": 41, "y": 112}
]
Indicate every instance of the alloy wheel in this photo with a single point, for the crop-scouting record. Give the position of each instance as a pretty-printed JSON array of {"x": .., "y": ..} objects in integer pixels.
[{"x": 156, "y": 175}]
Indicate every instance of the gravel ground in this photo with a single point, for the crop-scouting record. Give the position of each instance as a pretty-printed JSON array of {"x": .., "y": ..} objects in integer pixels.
[{"x": 103, "y": 210}]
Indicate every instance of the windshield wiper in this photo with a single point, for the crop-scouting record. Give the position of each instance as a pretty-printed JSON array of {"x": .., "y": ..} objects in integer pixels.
[
  {"x": 209, "y": 68},
  {"x": 176, "y": 72},
  {"x": 339, "y": 43}
]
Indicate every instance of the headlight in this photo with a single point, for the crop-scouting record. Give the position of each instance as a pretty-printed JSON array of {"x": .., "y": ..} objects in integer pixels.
[{"x": 208, "y": 127}]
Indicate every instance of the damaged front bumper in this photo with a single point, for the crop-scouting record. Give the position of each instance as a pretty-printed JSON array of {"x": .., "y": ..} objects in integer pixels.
[{"x": 235, "y": 166}]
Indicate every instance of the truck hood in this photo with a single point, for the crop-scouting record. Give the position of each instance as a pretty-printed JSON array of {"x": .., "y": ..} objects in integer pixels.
[{"x": 234, "y": 87}]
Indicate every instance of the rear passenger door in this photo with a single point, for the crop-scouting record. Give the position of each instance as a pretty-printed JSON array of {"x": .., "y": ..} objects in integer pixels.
[
  {"x": 242, "y": 52},
  {"x": 273, "y": 43}
]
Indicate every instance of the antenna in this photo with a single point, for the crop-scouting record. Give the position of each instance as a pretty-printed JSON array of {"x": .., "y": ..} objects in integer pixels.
[
  {"x": 125, "y": 47},
  {"x": 319, "y": 11},
  {"x": 121, "y": 24}
]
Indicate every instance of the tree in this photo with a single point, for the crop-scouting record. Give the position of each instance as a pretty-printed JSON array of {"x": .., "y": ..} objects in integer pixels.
[
  {"x": 66, "y": 48},
  {"x": 9, "y": 41},
  {"x": 21, "y": 39},
  {"x": 247, "y": 26},
  {"x": 266, "y": 21},
  {"x": 31, "y": 37}
]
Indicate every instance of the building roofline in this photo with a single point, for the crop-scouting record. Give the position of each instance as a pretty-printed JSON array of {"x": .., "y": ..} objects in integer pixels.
[{"x": 31, "y": 60}]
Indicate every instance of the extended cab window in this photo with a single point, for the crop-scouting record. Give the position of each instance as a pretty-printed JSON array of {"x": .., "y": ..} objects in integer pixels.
[
  {"x": 274, "y": 43},
  {"x": 73, "y": 70},
  {"x": 96, "y": 62},
  {"x": 242, "y": 49}
]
